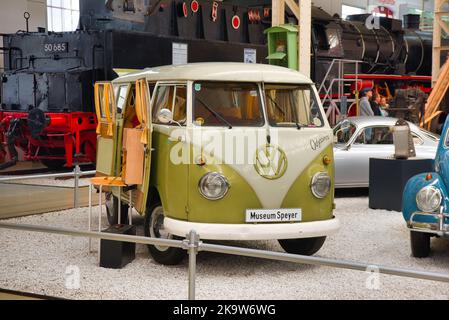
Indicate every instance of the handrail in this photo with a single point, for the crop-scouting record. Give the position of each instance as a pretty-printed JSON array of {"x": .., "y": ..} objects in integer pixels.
[{"x": 76, "y": 173}]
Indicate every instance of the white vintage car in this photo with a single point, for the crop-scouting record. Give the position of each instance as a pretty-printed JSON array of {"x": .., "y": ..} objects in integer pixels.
[{"x": 357, "y": 139}]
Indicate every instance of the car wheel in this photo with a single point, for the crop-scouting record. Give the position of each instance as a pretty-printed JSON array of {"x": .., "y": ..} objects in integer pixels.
[
  {"x": 420, "y": 244},
  {"x": 111, "y": 204},
  {"x": 305, "y": 246},
  {"x": 154, "y": 228}
]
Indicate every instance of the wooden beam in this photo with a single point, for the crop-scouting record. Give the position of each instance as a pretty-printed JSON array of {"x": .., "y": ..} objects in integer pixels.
[
  {"x": 303, "y": 12},
  {"x": 304, "y": 38},
  {"x": 438, "y": 26},
  {"x": 294, "y": 7},
  {"x": 277, "y": 12}
]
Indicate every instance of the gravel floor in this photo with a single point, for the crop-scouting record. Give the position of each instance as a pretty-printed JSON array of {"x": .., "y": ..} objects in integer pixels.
[{"x": 43, "y": 264}]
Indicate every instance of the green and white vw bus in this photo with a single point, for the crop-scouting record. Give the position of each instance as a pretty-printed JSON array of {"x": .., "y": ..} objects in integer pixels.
[{"x": 233, "y": 151}]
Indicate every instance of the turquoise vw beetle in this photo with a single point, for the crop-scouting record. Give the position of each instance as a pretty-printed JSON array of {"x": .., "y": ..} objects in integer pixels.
[{"x": 425, "y": 205}]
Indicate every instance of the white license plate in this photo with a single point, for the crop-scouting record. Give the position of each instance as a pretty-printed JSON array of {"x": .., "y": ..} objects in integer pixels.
[{"x": 273, "y": 215}]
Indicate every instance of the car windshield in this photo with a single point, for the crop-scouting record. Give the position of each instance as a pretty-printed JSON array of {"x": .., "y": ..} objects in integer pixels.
[
  {"x": 343, "y": 132},
  {"x": 292, "y": 106},
  {"x": 227, "y": 104}
]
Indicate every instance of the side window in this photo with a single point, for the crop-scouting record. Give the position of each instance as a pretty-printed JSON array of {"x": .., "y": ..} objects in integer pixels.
[
  {"x": 375, "y": 135},
  {"x": 173, "y": 98},
  {"x": 120, "y": 94}
]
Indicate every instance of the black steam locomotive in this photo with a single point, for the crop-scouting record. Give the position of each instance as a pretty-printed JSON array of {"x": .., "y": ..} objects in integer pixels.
[{"x": 47, "y": 86}]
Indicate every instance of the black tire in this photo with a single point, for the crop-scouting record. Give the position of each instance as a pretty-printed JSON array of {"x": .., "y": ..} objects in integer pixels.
[
  {"x": 112, "y": 210},
  {"x": 420, "y": 244},
  {"x": 162, "y": 255},
  {"x": 305, "y": 246}
]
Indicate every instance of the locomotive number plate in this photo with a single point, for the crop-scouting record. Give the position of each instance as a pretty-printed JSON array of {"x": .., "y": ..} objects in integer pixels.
[{"x": 56, "y": 47}]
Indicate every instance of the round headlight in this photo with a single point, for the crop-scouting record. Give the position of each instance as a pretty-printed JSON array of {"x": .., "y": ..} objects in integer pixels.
[
  {"x": 321, "y": 185},
  {"x": 428, "y": 199},
  {"x": 213, "y": 186}
]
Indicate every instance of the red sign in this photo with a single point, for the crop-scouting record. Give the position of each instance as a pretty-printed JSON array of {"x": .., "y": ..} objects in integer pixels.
[
  {"x": 253, "y": 16},
  {"x": 236, "y": 22},
  {"x": 214, "y": 13},
  {"x": 184, "y": 9},
  {"x": 266, "y": 12},
  {"x": 194, "y": 6}
]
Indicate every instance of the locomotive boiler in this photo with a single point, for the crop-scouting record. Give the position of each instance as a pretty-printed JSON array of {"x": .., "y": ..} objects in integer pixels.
[{"x": 47, "y": 108}]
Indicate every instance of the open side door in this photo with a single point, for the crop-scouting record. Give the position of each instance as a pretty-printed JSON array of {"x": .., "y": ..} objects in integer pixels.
[
  {"x": 137, "y": 148},
  {"x": 137, "y": 142},
  {"x": 106, "y": 109}
]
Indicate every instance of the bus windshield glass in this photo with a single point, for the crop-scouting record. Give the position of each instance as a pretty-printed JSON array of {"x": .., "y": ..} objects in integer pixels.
[
  {"x": 292, "y": 106},
  {"x": 227, "y": 104}
]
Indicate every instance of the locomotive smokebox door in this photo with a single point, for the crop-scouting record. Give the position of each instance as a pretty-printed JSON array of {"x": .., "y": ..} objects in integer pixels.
[{"x": 403, "y": 141}]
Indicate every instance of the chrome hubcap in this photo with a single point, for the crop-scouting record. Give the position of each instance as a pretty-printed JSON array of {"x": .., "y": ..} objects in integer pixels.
[{"x": 157, "y": 229}]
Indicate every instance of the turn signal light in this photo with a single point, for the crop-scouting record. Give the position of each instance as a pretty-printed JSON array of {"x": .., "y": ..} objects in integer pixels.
[
  {"x": 327, "y": 160},
  {"x": 429, "y": 177}
]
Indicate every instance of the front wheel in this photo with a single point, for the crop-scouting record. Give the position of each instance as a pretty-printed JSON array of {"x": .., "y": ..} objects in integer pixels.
[
  {"x": 305, "y": 246},
  {"x": 420, "y": 243},
  {"x": 154, "y": 228}
]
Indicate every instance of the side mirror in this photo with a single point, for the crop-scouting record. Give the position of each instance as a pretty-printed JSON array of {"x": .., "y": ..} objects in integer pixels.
[{"x": 165, "y": 116}]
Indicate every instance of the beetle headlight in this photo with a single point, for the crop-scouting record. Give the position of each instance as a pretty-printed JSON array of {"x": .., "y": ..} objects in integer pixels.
[
  {"x": 213, "y": 186},
  {"x": 320, "y": 185},
  {"x": 428, "y": 199}
]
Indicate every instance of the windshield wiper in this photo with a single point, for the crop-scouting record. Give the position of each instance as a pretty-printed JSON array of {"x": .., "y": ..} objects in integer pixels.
[
  {"x": 215, "y": 114},
  {"x": 298, "y": 126}
]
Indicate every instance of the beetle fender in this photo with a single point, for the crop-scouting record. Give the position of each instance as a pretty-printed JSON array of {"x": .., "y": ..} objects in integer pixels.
[{"x": 413, "y": 186}]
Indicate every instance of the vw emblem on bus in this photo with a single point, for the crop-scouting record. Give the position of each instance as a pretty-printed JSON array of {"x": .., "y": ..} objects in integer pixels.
[{"x": 270, "y": 162}]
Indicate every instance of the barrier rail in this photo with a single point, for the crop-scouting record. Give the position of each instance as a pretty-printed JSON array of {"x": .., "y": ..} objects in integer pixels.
[
  {"x": 193, "y": 245},
  {"x": 76, "y": 173}
]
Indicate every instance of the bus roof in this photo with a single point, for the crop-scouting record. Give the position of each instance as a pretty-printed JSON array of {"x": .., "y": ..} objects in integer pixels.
[{"x": 219, "y": 71}]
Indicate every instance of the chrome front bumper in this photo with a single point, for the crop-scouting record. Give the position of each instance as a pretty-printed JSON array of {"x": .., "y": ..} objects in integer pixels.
[{"x": 440, "y": 228}]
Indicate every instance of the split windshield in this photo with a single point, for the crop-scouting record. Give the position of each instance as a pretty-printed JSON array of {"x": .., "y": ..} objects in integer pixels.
[
  {"x": 239, "y": 104},
  {"x": 227, "y": 104},
  {"x": 292, "y": 106}
]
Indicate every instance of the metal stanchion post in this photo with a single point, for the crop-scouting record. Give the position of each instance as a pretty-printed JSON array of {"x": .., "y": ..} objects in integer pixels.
[
  {"x": 192, "y": 248},
  {"x": 90, "y": 216},
  {"x": 100, "y": 213},
  {"x": 130, "y": 211},
  {"x": 76, "y": 172},
  {"x": 119, "y": 216}
]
